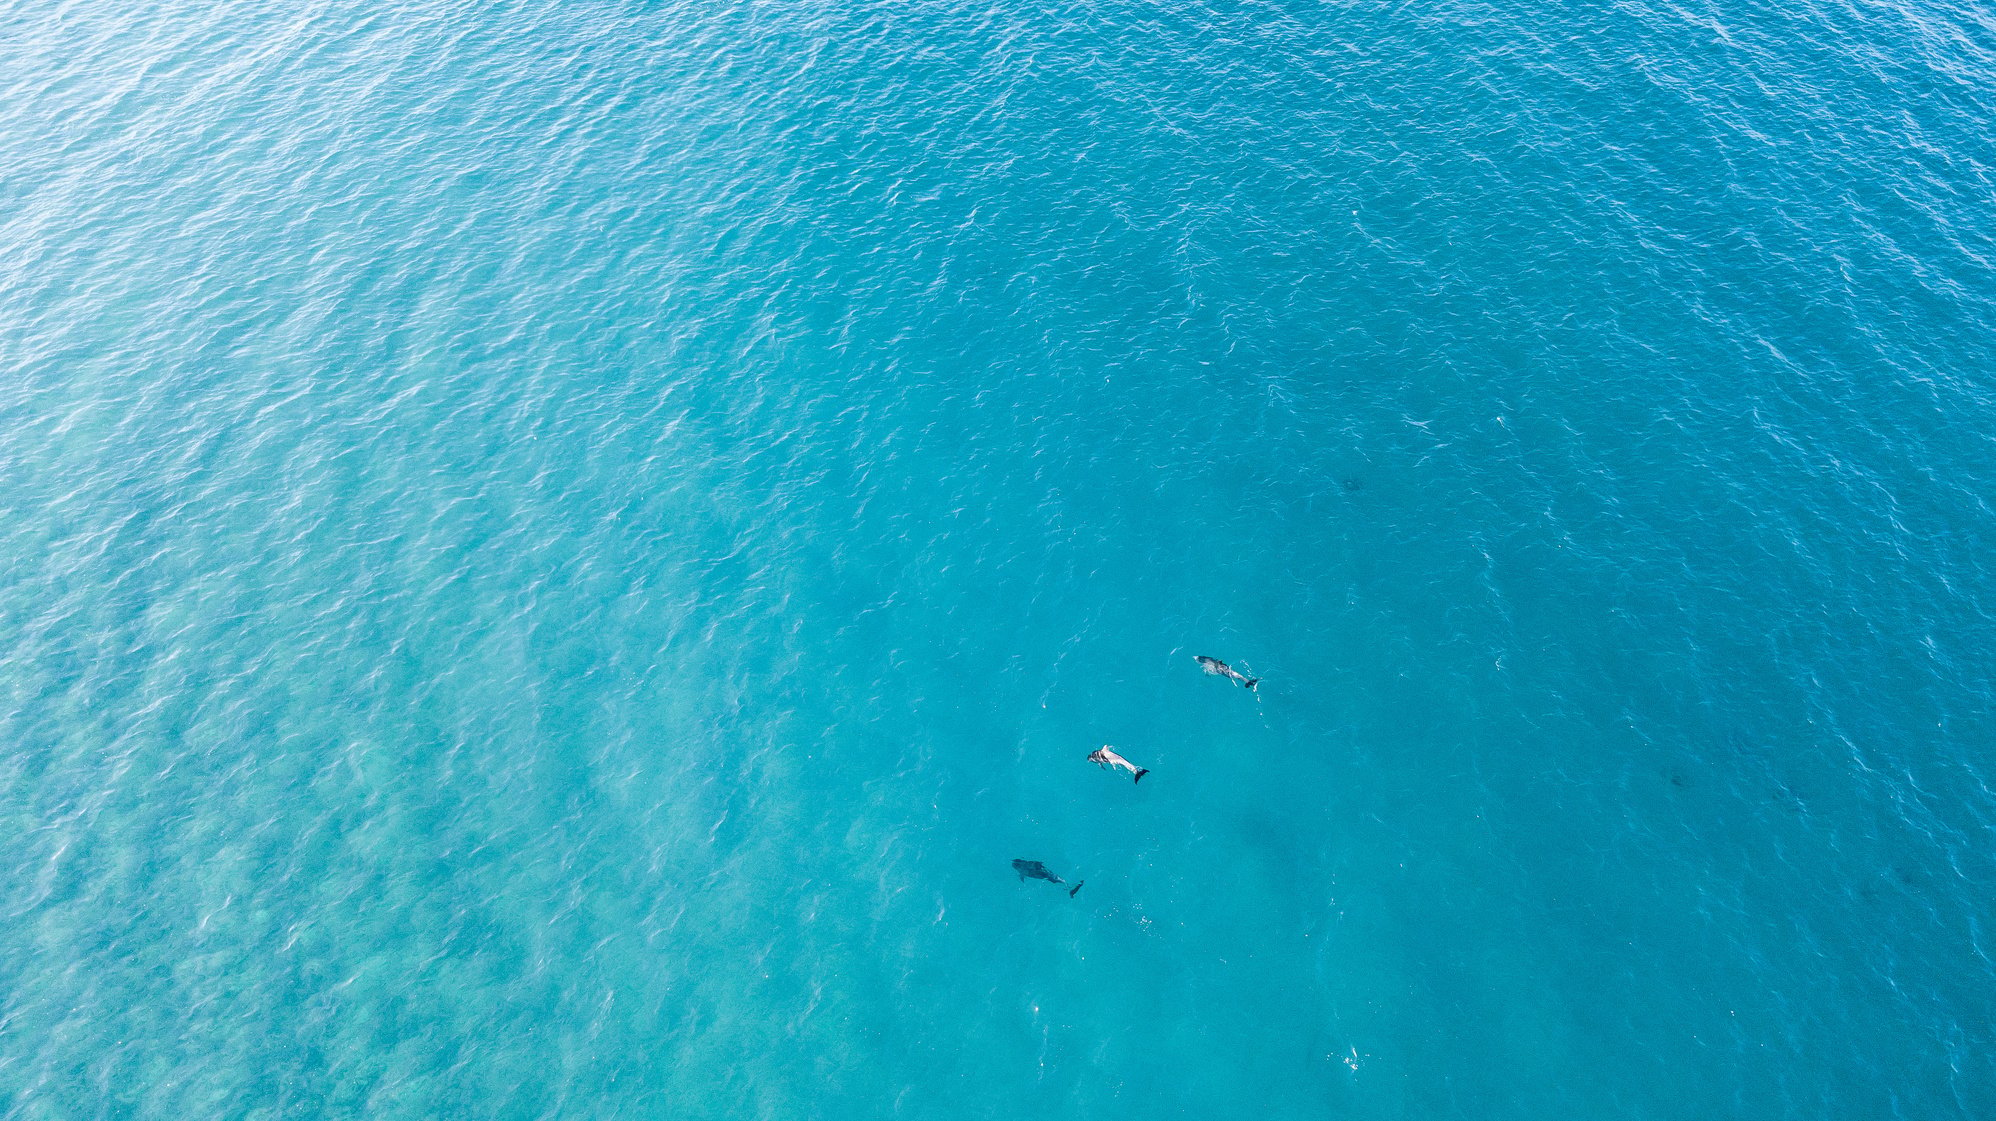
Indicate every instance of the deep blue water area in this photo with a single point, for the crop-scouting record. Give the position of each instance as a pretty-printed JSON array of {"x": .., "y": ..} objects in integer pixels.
[{"x": 551, "y": 556}]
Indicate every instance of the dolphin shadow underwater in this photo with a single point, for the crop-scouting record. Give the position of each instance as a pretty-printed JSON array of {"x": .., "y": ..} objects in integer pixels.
[{"x": 1033, "y": 869}]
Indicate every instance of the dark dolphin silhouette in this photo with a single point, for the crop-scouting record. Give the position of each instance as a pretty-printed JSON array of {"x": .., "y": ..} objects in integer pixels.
[
  {"x": 1033, "y": 869},
  {"x": 1218, "y": 668}
]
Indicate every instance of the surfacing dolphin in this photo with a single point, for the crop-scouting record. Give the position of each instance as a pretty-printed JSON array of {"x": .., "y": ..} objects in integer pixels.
[
  {"x": 1107, "y": 757},
  {"x": 1218, "y": 668},
  {"x": 1033, "y": 869}
]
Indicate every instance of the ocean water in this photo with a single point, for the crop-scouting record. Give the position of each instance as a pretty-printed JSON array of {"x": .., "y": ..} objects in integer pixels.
[{"x": 552, "y": 554}]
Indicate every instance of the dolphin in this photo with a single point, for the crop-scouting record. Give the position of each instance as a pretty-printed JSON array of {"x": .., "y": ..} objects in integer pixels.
[
  {"x": 1033, "y": 869},
  {"x": 1107, "y": 757},
  {"x": 1218, "y": 668}
]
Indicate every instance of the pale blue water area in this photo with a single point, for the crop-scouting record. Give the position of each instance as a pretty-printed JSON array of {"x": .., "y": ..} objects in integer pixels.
[{"x": 551, "y": 556}]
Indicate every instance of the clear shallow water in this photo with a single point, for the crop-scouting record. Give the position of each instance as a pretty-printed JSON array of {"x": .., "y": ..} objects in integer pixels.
[{"x": 553, "y": 554}]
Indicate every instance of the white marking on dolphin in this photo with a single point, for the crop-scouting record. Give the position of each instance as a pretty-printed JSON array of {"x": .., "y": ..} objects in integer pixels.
[{"x": 1106, "y": 756}]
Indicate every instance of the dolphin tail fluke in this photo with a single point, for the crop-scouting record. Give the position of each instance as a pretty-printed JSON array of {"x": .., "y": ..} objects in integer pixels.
[
  {"x": 1077, "y": 887},
  {"x": 1139, "y": 776},
  {"x": 1251, "y": 682}
]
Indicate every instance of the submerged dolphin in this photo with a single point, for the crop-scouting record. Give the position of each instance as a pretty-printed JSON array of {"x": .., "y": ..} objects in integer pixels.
[
  {"x": 1218, "y": 668},
  {"x": 1033, "y": 869},
  {"x": 1107, "y": 757}
]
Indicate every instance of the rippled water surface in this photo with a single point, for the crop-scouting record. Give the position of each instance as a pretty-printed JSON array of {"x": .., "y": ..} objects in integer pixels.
[{"x": 552, "y": 554}]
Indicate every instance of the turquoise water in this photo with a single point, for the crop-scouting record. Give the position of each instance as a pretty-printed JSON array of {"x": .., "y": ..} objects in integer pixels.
[{"x": 554, "y": 553}]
